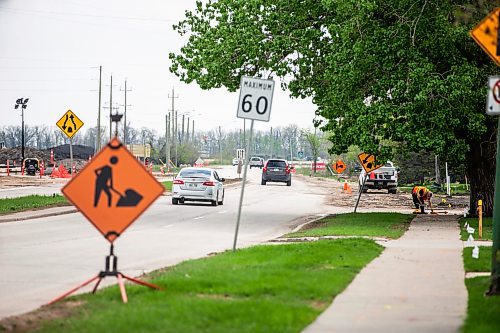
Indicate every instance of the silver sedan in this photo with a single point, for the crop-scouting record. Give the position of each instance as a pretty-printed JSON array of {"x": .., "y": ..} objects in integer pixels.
[{"x": 198, "y": 184}]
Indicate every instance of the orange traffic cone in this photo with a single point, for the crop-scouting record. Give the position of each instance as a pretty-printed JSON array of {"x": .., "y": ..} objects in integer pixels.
[{"x": 345, "y": 185}]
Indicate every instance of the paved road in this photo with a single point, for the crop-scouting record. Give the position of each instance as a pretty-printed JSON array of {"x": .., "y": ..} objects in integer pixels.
[
  {"x": 42, "y": 258},
  {"x": 29, "y": 190}
]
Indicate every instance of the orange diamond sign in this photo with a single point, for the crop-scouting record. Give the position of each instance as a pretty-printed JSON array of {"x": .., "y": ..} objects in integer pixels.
[
  {"x": 339, "y": 166},
  {"x": 113, "y": 190},
  {"x": 368, "y": 162},
  {"x": 487, "y": 36}
]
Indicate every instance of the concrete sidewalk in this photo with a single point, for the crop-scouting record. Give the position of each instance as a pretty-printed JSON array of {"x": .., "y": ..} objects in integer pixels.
[{"x": 415, "y": 285}]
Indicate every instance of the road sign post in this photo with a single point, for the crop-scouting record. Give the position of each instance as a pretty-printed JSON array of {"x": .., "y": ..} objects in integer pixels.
[
  {"x": 256, "y": 96},
  {"x": 70, "y": 124},
  {"x": 487, "y": 35},
  {"x": 368, "y": 162},
  {"x": 112, "y": 191}
]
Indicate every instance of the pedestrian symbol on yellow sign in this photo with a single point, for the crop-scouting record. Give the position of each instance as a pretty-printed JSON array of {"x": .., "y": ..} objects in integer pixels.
[{"x": 113, "y": 190}]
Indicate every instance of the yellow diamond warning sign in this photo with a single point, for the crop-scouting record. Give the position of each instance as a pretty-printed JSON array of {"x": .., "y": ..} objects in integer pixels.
[
  {"x": 69, "y": 123},
  {"x": 113, "y": 190},
  {"x": 487, "y": 36}
]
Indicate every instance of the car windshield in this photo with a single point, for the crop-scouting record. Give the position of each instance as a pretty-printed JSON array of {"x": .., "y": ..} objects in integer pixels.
[
  {"x": 194, "y": 173},
  {"x": 255, "y": 159},
  {"x": 276, "y": 164}
]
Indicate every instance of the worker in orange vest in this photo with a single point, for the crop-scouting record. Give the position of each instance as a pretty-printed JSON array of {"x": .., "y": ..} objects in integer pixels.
[{"x": 420, "y": 195}]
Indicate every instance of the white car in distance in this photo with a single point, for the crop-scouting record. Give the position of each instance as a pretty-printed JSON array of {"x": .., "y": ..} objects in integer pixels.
[{"x": 198, "y": 184}]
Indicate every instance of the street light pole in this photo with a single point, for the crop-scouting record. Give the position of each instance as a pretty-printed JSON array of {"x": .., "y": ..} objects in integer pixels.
[{"x": 24, "y": 105}]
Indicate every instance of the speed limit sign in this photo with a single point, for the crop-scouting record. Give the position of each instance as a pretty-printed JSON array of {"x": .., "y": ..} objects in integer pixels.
[{"x": 256, "y": 97}]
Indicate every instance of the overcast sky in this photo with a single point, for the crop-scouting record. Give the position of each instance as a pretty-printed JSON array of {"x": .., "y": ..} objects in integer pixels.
[{"x": 51, "y": 50}]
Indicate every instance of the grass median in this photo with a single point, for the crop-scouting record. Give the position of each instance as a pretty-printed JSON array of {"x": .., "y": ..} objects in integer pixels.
[
  {"x": 270, "y": 288},
  {"x": 14, "y": 205},
  {"x": 168, "y": 185},
  {"x": 474, "y": 223},
  {"x": 482, "y": 264},
  {"x": 390, "y": 225},
  {"x": 482, "y": 311}
]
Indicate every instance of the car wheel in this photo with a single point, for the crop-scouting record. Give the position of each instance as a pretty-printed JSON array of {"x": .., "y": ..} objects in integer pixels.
[
  {"x": 263, "y": 182},
  {"x": 393, "y": 190},
  {"x": 222, "y": 201},
  {"x": 289, "y": 183},
  {"x": 175, "y": 201},
  {"x": 216, "y": 201}
]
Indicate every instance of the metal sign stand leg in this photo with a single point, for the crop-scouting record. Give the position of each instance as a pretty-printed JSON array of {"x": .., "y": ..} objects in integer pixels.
[
  {"x": 360, "y": 192},
  {"x": 247, "y": 155},
  {"x": 111, "y": 260}
]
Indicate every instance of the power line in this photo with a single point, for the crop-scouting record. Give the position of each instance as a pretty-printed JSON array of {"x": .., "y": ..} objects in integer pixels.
[{"x": 24, "y": 11}]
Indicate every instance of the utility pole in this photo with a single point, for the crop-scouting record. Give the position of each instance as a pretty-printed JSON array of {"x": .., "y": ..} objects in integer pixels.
[
  {"x": 187, "y": 131},
  {"x": 110, "y": 108},
  {"x": 220, "y": 144},
  {"x": 173, "y": 120},
  {"x": 192, "y": 130},
  {"x": 271, "y": 143},
  {"x": 167, "y": 141},
  {"x": 125, "y": 115},
  {"x": 182, "y": 135},
  {"x": 98, "y": 139}
]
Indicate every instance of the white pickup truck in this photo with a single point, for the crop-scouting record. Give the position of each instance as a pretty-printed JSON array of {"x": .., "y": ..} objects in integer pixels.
[{"x": 385, "y": 178}]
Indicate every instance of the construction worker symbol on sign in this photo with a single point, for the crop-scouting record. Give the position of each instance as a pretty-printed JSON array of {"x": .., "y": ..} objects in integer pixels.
[
  {"x": 113, "y": 190},
  {"x": 104, "y": 183}
]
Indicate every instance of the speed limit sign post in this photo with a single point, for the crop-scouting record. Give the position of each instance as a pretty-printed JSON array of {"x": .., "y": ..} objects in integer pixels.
[{"x": 256, "y": 97}]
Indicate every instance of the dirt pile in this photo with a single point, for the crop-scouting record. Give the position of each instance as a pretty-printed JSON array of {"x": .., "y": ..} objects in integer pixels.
[
  {"x": 60, "y": 153},
  {"x": 381, "y": 199}
]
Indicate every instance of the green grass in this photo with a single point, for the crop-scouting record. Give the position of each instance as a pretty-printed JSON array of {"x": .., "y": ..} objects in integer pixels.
[
  {"x": 273, "y": 288},
  {"x": 482, "y": 264},
  {"x": 13, "y": 205},
  {"x": 474, "y": 223},
  {"x": 390, "y": 225},
  {"x": 168, "y": 185},
  {"x": 482, "y": 312}
]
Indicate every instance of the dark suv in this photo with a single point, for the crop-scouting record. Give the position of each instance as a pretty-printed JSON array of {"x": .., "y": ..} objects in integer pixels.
[{"x": 277, "y": 171}]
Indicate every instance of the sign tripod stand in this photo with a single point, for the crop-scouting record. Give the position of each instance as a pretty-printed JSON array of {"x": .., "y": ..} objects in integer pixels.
[
  {"x": 110, "y": 269},
  {"x": 107, "y": 176}
]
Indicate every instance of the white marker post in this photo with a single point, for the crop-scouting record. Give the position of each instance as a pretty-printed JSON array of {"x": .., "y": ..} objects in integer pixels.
[{"x": 256, "y": 97}]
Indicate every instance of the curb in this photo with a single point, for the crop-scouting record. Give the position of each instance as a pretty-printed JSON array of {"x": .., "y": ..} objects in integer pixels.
[{"x": 31, "y": 217}]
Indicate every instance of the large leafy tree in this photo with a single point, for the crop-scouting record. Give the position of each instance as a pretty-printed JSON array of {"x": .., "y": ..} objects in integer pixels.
[{"x": 388, "y": 75}]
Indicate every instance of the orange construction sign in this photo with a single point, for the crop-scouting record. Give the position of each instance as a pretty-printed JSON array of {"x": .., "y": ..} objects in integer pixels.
[
  {"x": 368, "y": 162},
  {"x": 487, "y": 35},
  {"x": 113, "y": 190},
  {"x": 339, "y": 166}
]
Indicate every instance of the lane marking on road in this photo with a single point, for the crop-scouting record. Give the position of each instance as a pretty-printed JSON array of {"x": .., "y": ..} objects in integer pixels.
[
  {"x": 168, "y": 226},
  {"x": 223, "y": 212},
  {"x": 199, "y": 217}
]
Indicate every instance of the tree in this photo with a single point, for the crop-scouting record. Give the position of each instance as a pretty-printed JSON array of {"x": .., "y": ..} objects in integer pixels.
[
  {"x": 403, "y": 72},
  {"x": 314, "y": 143}
]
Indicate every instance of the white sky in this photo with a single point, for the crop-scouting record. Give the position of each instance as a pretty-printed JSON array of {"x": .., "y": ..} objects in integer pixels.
[{"x": 50, "y": 51}]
